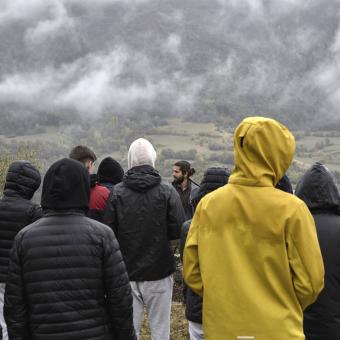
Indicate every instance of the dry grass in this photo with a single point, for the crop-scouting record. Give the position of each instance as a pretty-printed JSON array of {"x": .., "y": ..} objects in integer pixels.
[{"x": 179, "y": 324}]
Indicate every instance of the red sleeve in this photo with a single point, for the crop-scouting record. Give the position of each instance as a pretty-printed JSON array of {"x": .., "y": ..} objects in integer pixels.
[{"x": 98, "y": 197}]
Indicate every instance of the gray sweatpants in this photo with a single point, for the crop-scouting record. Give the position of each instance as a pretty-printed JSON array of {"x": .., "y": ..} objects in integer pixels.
[
  {"x": 195, "y": 331},
  {"x": 156, "y": 296}
]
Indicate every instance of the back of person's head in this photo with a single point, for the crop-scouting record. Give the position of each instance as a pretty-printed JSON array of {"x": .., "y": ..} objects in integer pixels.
[
  {"x": 317, "y": 189},
  {"x": 141, "y": 152},
  {"x": 285, "y": 185},
  {"x": 110, "y": 171},
  {"x": 82, "y": 153},
  {"x": 66, "y": 186},
  {"x": 213, "y": 178},
  {"x": 22, "y": 179},
  {"x": 185, "y": 167}
]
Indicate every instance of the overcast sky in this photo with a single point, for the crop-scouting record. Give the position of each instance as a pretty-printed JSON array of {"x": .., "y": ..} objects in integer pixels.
[{"x": 177, "y": 56}]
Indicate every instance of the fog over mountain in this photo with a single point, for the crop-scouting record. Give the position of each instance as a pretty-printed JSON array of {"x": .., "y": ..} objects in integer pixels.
[{"x": 174, "y": 57}]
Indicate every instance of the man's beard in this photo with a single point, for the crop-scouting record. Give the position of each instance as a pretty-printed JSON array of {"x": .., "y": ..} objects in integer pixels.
[{"x": 179, "y": 180}]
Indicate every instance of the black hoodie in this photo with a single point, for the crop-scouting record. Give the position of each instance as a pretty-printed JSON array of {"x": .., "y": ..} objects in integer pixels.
[
  {"x": 317, "y": 188},
  {"x": 67, "y": 279},
  {"x": 145, "y": 212},
  {"x": 66, "y": 187}
]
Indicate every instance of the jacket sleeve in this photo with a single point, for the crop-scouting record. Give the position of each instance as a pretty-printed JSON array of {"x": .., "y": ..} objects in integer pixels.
[
  {"x": 118, "y": 290},
  {"x": 184, "y": 234},
  {"x": 305, "y": 257},
  {"x": 109, "y": 214},
  {"x": 176, "y": 215},
  {"x": 15, "y": 306},
  {"x": 191, "y": 268}
]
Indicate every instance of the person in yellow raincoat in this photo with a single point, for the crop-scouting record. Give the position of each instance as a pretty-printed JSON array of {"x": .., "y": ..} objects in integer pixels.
[{"x": 252, "y": 250}]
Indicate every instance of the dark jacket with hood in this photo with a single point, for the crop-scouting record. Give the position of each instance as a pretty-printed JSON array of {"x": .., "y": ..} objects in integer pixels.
[
  {"x": 67, "y": 279},
  {"x": 213, "y": 178},
  {"x": 16, "y": 208},
  {"x": 317, "y": 188},
  {"x": 145, "y": 212}
]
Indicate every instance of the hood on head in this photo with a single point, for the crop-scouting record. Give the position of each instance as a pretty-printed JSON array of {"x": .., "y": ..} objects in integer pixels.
[
  {"x": 317, "y": 188},
  {"x": 263, "y": 151},
  {"x": 213, "y": 179},
  {"x": 66, "y": 186},
  {"x": 22, "y": 180},
  {"x": 142, "y": 178},
  {"x": 141, "y": 152}
]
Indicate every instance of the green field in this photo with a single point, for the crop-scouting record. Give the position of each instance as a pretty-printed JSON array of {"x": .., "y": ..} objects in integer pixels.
[{"x": 211, "y": 147}]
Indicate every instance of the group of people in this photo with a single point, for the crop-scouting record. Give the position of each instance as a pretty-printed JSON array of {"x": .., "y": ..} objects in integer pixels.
[{"x": 96, "y": 253}]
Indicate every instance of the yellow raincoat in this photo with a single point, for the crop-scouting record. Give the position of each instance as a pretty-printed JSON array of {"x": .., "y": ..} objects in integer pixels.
[{"x": 252, "y": 250}]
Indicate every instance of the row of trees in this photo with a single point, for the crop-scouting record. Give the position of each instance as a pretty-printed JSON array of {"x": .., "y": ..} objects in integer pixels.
[{"x": 114, "y": 133}]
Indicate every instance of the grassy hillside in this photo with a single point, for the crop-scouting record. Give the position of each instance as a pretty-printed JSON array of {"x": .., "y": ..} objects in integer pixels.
[{"x": 203, "y": 144}]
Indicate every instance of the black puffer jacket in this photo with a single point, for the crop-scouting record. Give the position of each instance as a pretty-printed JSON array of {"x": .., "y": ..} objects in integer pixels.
[
  {"x": 16, "y": 209},
  {"x": 318, "y": 190},
  {"x": 67, "y": 279},
  {"x": 145, "y": 213}
]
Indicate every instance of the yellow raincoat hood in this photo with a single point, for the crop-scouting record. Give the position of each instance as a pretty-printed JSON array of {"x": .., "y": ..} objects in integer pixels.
[
  {"x": 264, "y": 150},
  {"x": 252, "y": 250}
]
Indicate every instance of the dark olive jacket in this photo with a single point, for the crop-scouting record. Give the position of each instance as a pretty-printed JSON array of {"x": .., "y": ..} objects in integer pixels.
[{"x": 186, "y": 196}]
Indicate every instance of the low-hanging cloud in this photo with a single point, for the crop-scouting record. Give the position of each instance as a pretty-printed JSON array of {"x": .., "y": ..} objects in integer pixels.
[
  {"x": 96, "y": 84},
  {"x": 57, "y": 22},
  {"x": 122, "y": 56}
]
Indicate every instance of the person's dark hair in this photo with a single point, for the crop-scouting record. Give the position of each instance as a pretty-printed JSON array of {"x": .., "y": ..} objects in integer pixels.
[
  {"x": 185, "y": 167},
  {"x": 82, "y": 153}
]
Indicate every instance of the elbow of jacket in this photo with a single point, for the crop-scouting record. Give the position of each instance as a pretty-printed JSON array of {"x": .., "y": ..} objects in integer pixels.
[
  {"x": 314, "y": 293},
  {"x": 194, "y": 284},
  {"x": 320, "y": 287},
  {"x": 198, "y": 290}
]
